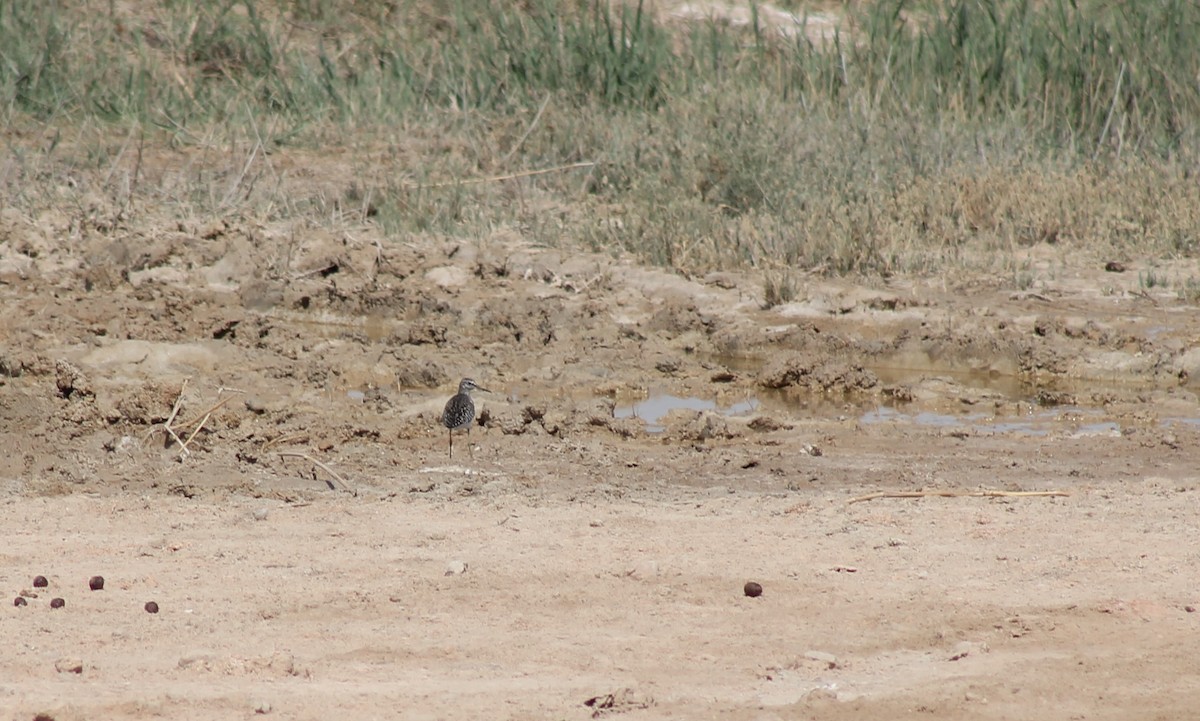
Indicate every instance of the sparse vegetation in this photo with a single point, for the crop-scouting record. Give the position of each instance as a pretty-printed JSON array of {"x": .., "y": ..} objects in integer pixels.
[
  {"x": 1148, "y": 279},
  {"x": 920, "y": 137},
  {"x": 1189, "y": 292},
  {"x": 779, "y": 287}
]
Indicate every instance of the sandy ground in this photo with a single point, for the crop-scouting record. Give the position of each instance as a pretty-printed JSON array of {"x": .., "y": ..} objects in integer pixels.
[{"x": 586, "y": 550}]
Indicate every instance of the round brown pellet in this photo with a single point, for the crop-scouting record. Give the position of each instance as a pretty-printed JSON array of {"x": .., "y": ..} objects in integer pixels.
[
  {"x": 40, "y": 582},
  {"x": 752, "y": 589},
  {"x": 151, "y": 607},
  {"x": 18, "y": 601},
  {"x": 57, "y": 603},
  {"x": 96, "y": 583}
]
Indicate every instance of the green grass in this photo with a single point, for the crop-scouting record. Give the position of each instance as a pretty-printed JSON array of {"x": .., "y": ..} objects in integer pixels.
[{"x": 924, "y": 136}]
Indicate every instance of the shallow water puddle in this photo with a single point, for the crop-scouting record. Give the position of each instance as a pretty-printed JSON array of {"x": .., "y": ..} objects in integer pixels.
[
  {"x": 654, "y": 408},
  {"x": 1038, "y": 423},
  {"x": 1041, "y": 421}
]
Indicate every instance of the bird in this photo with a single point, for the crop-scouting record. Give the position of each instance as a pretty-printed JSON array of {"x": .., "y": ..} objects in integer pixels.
[{"x": 460, "y": 410}]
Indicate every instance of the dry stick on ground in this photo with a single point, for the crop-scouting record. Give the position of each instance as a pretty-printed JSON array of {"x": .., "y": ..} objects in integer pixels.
[
  {"x": 199, "y": 420},
  {"x": 955, "y": 494},
  {"x": 183, "y": 451},
  {"x": 285, "y": 438},
  {"x": 208, "y": 413},
  {"x": 322, "y": 466}
]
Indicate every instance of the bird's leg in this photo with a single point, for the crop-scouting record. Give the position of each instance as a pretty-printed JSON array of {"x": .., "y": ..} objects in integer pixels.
[
  {"x": 470, "y": 448},
  {"x": 451, "y": 443}
]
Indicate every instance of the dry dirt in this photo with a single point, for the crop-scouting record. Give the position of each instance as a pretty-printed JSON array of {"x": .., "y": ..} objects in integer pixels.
[{"x": 585, "y": 551}]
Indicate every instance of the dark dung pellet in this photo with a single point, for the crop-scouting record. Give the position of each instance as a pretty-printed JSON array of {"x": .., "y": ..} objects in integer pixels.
[
  {"x": 18, "y": 601},
  {"x": 96, "y": 583},
  {"x": 151, "y": 607},
  {"x": 57, "y": 603},
  {"x": 752, "y": 589},
  {"x": 40, "y": 582}
]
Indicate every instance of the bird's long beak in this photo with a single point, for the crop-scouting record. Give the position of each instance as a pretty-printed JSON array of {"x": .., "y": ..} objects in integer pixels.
[{"x": 481, "y": 388}]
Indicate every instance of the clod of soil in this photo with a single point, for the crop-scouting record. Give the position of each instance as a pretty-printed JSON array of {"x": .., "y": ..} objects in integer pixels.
[
  {"x": 151, "y": 607},
  {"x": 40, "y": 582},
  {"x": 57, "y": 603},
  {"x": 18, "y": 601},
  {"x": 68, "y": 665},
  {"x": 752, "y": 589},
  {"x": 815, "y": 373}
]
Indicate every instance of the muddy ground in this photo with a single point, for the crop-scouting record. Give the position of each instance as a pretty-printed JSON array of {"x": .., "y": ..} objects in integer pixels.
[{"x": 315, "y": 553}]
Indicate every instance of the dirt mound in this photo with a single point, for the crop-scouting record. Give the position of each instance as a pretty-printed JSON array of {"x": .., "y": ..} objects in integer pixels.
[{"x": 813, "y": 373}]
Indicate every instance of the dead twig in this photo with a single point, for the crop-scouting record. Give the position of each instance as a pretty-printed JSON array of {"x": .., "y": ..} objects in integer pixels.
[
  {"x": 204, "y": 415},
  {"x": 198, "y": 420},
  {"x": 285, "y": 438},
  {"x": 955, "y": 493},
  {"x": 525, "y": 136},
  {"x": 233, "y": 188},
  {"x": 333, "y": 474},
  {"x": 183, "y": 451}
]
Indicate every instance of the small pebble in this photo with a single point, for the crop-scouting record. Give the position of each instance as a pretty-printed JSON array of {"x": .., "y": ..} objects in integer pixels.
[
  {"x": 57, "y": 603},
  {"x": 260, "y": 514},
  {"x": 456, "y": 568},
  {"x": 643, "y": 570},
  {"x": 828, "y": 659},
  {"x": 18, "y": 601},
  {"x": 1190, "y": 608},
  {"x": 198, "y": 660},
  {"x": 151, "y": 607},
  {"x": 68, "y": 665},
  {"x": 752, "y": 589},
  {"x": 40, "y": 582},
  {"x": 822, "y": 693},
  {"x": 96, "y": 583}
]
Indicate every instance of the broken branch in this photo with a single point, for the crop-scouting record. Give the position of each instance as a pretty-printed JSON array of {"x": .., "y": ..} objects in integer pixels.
[{"x": 954, "y": 493}]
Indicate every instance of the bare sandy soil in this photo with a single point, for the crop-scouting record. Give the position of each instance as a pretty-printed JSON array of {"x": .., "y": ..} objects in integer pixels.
[{"x": 585, "y": 550}]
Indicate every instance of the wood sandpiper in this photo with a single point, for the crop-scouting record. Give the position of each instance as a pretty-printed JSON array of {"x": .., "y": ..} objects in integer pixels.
[{"x": 460, "y": 411}]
